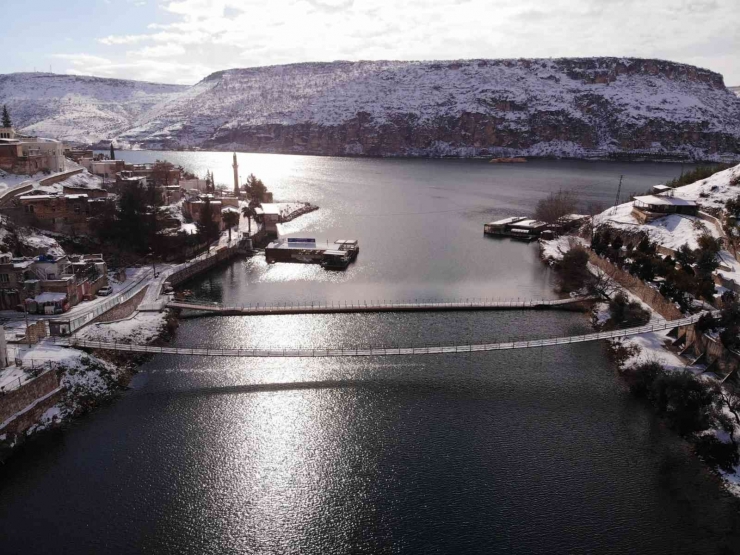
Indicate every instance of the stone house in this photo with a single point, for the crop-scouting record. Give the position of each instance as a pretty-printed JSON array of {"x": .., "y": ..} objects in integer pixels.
[
  {"x": 103, "y": 168},
  {"x": 71, "y": 280},
  {"x": 707, "y": 348},
  {"x": 28, "y": 155},
  {"x": 12, "y": 280},
  {"x": 193, "y": 209},
  {"x": 91, "y": 192},
  {"x": 270, "y": 216},
  {"x": 65, "y": 213}
]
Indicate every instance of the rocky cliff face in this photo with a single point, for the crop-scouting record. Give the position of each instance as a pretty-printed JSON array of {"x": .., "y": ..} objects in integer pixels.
[{"x": 561, "y": 107}]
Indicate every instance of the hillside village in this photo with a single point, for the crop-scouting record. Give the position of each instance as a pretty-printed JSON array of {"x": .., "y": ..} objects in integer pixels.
[{"x": 92, "y": 246}]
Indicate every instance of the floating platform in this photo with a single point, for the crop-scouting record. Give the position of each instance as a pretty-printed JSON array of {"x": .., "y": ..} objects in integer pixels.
[
  {"x": 516, "y": 227},
  {"x": 335, "y": 256}
]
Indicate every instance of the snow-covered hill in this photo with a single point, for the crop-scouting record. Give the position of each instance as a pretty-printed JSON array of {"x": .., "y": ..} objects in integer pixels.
[
  {"x": 75, "y": 108},
  {"x": 672, "y": 231},
  {"x": 571, "y": 107}
]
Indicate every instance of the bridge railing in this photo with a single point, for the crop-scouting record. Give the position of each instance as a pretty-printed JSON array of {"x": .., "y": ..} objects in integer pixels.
[
  {"x": 373, "y": 304},
  {"x": 377, "y": 350}
]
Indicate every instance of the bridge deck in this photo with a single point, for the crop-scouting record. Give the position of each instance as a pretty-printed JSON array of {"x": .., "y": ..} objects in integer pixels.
[
  {"x": 374, "y": 306},
  {"x": 377, "y": 351}
]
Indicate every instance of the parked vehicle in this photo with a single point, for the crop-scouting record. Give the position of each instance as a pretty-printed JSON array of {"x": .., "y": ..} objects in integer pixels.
[{"x": 105, "y": 291}]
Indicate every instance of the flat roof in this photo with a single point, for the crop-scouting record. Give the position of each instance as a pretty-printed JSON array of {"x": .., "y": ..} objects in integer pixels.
[
  {"x": 271, "y": 209},
  {"x": 296, "y": 246},
  {"x": 509, "y": 220},
  {"x": 665, "y": 201},
  {"x": 50, "y": 297},
  {"x": 333, "y": 252},
  {"x": 345, "y": 242},
  {"x": 37, "y": 197},
  {"x": 529, "y": 224}
]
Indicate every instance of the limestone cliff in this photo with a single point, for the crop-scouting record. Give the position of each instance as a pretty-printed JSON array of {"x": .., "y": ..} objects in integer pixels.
[{"x": 563, "y": 107}]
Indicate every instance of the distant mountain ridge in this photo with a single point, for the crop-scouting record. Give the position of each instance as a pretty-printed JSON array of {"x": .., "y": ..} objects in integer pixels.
[{"x": 561, "y": 107}]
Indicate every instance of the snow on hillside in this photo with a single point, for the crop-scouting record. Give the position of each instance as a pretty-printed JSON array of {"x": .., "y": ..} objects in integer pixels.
[
  {"x": 12, "y": 180},
  {"x": 674, "y": 230},
  {"x": 333, "y": 93},
  {"x": 533, "y": 106},
  {"x": 736, "y": 90},
  {"x": 670, "y": 232},
  {"x": 78, "y": 108}
]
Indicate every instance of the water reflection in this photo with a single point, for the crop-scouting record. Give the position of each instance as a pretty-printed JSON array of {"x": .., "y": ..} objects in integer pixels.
[{"x": 530, "y": 451}]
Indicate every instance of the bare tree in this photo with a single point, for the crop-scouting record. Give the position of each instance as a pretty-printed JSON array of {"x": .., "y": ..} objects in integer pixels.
[{"x": 555, "y": 206}]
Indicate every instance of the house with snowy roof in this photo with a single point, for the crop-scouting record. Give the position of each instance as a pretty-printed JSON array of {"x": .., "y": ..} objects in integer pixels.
[{"x": 649, "y": 207}]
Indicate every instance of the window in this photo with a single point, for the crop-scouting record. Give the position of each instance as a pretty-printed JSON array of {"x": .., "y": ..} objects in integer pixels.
[{"x": 4, "y": 278}]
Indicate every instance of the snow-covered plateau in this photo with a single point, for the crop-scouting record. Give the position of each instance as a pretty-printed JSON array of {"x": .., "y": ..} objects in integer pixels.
[{"x": 576, "y": 107}]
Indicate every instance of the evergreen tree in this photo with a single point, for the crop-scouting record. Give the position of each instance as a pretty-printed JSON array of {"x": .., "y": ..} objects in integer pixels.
[
  {"x": 255, "y": 189},
  {"x": 112, "y": 152},
  {"x": 6, "y": 117},
  {"x": 206, "y": 225}
]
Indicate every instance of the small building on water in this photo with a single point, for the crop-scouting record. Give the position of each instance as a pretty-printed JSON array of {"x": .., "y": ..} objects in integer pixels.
[
  {"x": 308, "y": 251},
  {"x": 518, "y": 227}
]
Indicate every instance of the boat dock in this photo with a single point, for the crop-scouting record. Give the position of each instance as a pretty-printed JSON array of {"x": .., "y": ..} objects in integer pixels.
[
  {"x": 517, "y": 227},
  {"x": 337, "y": 255}
]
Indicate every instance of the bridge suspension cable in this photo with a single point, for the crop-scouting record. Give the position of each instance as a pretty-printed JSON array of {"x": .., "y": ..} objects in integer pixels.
[{"x": 287, "y": 352}]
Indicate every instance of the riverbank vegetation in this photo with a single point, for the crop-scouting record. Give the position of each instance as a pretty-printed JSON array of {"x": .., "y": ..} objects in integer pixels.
[
  {"x": 682, "y": 278},
  {"x": 707, "y": 414},
  {"x": 697, "y": 174}
]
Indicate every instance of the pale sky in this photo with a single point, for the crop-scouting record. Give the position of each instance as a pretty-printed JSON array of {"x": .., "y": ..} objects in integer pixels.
[{"x": 183, "y": 41}]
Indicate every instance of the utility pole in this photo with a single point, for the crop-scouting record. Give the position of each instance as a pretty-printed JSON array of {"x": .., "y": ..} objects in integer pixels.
[
  {"x": 619, "y": 192},
  {"x": 28, "y": 331}
]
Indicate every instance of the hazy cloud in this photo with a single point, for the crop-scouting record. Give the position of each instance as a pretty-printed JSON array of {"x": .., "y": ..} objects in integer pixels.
[{"x": 202, "y": 36}]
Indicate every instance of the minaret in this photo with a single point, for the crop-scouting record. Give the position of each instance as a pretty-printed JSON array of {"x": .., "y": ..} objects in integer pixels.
[{"x": 236, "y": 176}]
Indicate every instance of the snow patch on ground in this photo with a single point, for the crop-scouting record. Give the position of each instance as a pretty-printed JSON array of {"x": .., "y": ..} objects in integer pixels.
[
  {"x": 651, "y": 347},
  {"x": 144, "y": 327},
  {"x": 553, "y": 249},
  {"x": 670, "y": 231}
]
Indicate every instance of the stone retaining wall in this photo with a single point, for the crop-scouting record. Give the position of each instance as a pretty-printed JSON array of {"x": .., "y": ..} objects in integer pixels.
[
  {"x": 32, "y": 413},
  {"x": 637, "y": 287},
  {"x": 123, "y": 310},
  {"x": 186, "y": 273},
  {"x": 18, "y": 399}
]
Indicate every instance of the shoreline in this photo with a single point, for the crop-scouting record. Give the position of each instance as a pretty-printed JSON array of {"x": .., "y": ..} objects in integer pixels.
[
  {"x": 616, "y": 157},
  {"x": 107, "y": 373},
  {"x": 629, "y": 354}
]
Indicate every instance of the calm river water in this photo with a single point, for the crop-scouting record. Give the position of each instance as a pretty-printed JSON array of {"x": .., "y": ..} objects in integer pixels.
[{"x": 535, "y": 451}]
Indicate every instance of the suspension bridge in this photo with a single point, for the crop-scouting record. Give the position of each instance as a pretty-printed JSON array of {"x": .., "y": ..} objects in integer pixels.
[
  {"x": 323, "y": 352},
  {"x": 353, "y": 307}
]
